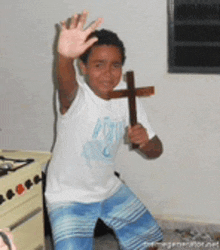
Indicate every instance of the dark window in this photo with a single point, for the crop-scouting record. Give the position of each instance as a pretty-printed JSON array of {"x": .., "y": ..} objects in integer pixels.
[{"x": 194, "y": 36}]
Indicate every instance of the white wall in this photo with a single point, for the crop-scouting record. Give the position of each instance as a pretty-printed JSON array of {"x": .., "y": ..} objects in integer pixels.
[{"x": 183, "y": 183}]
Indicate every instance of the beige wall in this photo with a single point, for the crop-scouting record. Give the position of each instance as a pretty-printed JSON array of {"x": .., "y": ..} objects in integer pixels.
[{"x": 183, "y": 183}]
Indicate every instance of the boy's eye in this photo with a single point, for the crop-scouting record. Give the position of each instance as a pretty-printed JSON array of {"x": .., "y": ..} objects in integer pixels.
[
  {"x": 117, "y": 65},
  {"x": 98, "y": 65}
]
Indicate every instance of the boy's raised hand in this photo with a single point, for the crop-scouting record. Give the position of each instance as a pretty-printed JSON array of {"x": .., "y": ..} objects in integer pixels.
[{"x": 73, "y": 40}]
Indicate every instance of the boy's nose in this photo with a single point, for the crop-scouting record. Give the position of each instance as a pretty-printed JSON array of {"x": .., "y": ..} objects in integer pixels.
[{"x": 108, "y": 71}]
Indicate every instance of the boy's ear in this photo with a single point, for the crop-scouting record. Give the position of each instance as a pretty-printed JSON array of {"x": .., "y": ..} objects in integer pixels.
[{"x": 83, "y": 68}]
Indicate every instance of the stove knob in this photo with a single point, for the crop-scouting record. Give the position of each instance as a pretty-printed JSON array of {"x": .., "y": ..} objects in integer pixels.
[
  {"x": 2, "y": 199},
  {"x": 37, "y": 179},
  {"x": 20, "y": 189},
  {"x": 10, "y": 194},
  {"x": 28, "y": 184}
]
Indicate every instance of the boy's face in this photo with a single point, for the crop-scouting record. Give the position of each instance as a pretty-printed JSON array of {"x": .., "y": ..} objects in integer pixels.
[{"x": 103, "y": 69}]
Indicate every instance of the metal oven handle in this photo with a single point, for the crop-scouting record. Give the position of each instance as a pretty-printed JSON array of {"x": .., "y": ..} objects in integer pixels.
[{"x": 25, "y": 219}]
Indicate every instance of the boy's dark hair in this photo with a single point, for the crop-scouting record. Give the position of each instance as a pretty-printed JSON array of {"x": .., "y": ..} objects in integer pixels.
[{"x": 105, "y": 37}]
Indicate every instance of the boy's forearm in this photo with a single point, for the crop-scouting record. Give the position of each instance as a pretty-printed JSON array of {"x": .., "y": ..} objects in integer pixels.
[
  {"x": 153, "y": 149},
  {"x": 66, "y": 74},
  {"x": 67, "y": 83}
]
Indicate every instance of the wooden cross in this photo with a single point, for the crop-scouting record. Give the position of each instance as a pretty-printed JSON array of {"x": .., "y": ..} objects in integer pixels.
[{"x": 131, "y": 93}]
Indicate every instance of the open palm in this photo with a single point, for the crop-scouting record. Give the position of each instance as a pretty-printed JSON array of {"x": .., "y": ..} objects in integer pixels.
[{"x": 73, "y": 40}]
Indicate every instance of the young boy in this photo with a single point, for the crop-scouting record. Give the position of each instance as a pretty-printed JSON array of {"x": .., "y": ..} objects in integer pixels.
[{"x": 81, "y": 185}]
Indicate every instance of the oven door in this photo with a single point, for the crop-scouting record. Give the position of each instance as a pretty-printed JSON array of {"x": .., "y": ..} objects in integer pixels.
[
  {"x": 28, "y": 231},
  {"x": 26, "y": 222}
]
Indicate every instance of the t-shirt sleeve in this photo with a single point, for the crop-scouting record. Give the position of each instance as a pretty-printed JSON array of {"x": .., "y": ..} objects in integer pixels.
[
  {"x": 143, "y": 119},
  {"x": 75, "y": 106}
]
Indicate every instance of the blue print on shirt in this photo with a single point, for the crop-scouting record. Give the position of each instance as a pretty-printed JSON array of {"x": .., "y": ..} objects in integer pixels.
[{"x": 105, "y": 139}]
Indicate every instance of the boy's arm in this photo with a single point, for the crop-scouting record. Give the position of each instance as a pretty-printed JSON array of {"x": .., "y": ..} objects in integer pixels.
[
  {"x": 68, "y": 85},
  {"x": 71, "y": 45},
  {"x": 150, "y": 148},
  {"x": 153, "y": 148}
]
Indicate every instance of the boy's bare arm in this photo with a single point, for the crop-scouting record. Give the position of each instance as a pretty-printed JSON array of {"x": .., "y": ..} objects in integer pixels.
[
  {"x": 151, "y": 148},
  {"x": 67, "y": 82},
  {"x": 71, "y": 45}
]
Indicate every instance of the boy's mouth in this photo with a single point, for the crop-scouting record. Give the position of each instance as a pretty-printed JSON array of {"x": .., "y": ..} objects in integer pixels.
[{"x": 108, "y": 84}]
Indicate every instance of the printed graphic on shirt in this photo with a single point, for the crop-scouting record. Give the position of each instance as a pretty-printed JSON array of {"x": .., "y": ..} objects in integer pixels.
[{"x": 105, "y": 139}]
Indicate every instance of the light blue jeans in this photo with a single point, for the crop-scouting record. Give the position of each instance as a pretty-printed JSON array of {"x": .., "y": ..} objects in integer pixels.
[{"x": 73, "y": 223}]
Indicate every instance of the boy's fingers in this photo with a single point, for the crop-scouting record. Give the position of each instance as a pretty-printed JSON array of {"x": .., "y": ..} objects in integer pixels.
[
  {"x": 90, "y": 42},
  {"x": 63, "y": 25},
  {"x": 135, "y": 128},
  {"x": 138, "y": 139},
  {"x": 79, "y": 20},
  {"x": 94, "y": 25},
  {"x": 82, "y": 19},
  {"x": 97, "y": 23},
  {"x": 74, "y": 21},
  {"x": 138, "y": 134}
]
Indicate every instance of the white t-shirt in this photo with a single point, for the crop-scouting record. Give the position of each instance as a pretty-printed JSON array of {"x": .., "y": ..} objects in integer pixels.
[{"x": 88, "y": 136}]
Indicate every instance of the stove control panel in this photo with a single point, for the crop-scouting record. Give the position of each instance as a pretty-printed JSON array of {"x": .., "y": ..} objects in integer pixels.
[{"x": 20, "y": 189}]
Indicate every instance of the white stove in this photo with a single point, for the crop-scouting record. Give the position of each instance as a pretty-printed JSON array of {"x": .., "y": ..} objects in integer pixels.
[{"x": 21, "y": 201}]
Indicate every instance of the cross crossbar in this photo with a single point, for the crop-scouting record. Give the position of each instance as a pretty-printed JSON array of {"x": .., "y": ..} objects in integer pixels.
[{"x": 138, "y": 92}]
